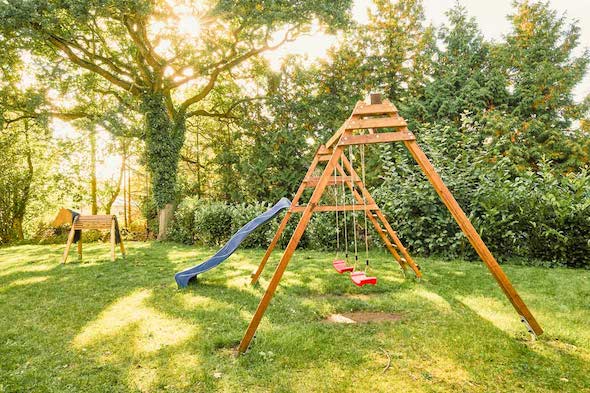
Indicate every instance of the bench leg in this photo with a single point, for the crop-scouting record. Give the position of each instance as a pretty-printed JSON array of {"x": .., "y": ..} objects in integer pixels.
[
  {"x": 68, "y": 245},
  {"x": 80, "y": 249},
  {"x": 121, "y": 246},
  {"x": 112, "y": 240}
]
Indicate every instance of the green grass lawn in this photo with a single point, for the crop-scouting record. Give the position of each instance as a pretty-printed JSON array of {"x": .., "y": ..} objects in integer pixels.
[{"x": 102, "y": 326}]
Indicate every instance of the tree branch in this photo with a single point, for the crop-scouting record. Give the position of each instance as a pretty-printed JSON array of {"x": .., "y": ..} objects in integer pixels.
[
  {"x": 227, "y": 113},
  {"x": 64, "y": 47},
  {"x": 230, "y": 64}
]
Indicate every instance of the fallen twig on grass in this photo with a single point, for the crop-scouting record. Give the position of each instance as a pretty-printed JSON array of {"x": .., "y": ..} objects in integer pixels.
[{"x": 388, "y": 360}]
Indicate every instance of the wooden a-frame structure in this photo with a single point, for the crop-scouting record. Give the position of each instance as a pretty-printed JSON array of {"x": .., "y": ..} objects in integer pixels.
[{"x": 337, "y": 169}]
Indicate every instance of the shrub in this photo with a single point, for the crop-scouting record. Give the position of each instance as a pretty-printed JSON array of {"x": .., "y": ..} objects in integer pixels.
[
  {"x": 535, "y": 216},
  {"x": 539, "y": 215},
  {"x": 182, "y": 229},
  {"x": 244, "y": 213},
  {"x": 213, "y": 223}
]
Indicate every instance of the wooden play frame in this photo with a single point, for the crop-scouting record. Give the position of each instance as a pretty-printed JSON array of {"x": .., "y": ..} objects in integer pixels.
[
  {"x": 371, "y": 116},
  {"x": 80, "y": 222}
]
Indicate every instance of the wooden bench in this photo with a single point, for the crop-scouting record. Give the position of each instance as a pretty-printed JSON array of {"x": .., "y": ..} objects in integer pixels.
[{"x": 80, "y": 222}]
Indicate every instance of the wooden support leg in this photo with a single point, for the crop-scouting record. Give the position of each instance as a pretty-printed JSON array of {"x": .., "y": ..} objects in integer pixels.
[
  {"x": 283, "y": 224},
  {"x": 273, "y": 243},
  {"x": 80, "y": 249},
  {"x": 112, "y": 240},
  {"x": 276, "y": 278},
  {"x": 400, "y": 246},
  {"x": 473, "y": 237},
  {"x": 121, "y": 246},
  {"x": 68, "y": 244}
]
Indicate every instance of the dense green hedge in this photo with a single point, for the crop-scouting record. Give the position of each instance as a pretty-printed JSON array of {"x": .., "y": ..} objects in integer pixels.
[
  {"x": 538, "y": 216},
  {"x": 542, "y": 218}
]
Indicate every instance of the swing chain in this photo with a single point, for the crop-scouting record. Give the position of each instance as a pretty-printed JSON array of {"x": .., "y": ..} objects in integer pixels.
[
  {"x": 345, "y": 221},
  {"x": 337, "y": 226},
  {"x": 363, "y": 174},
  {"x": 356, "y": 256}
]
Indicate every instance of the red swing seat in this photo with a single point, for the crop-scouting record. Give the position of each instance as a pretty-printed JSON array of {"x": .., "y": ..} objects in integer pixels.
[
  {"x": 360, "y": 278},
  {"x": 341, "y": 266}
]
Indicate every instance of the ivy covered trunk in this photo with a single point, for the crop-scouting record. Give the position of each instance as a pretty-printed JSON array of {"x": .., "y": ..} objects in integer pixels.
[{"x": 164, "y": 137}]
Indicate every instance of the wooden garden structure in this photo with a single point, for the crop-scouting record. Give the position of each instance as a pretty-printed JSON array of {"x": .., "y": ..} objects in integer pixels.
[
  {"x": 365, "y": 126},
  {"x": 80, "y": 222}
]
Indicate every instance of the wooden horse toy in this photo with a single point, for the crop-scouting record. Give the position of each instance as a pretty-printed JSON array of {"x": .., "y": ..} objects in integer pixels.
[{"x": 80, "y": 222}]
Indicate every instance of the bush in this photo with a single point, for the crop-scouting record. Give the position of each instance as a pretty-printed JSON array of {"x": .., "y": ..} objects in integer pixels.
[
  {"x": 182, "y": 229},
  {"x": 244, "y": 213},
  {"x": 535, "y": 216},
  {"x": 213, "y": 223},
  {"x": 538, "y": 215}
]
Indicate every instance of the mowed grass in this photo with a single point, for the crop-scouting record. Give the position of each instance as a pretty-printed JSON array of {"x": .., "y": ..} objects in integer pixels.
[{"x": 123, "y": 326}]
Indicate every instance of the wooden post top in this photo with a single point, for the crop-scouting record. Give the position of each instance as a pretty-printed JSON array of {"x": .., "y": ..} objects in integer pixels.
[{"x": 375, "y": 98}]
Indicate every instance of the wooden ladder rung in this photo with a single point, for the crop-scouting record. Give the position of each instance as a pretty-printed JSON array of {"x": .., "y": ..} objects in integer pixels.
[
  {"x": 375, "y": 109},
  {"x": 332, "y": 208},
  {"x": 384, "y": 122}
]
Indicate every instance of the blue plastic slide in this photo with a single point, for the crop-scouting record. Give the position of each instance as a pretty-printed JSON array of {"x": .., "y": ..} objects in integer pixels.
[{"x": 182, "y": 278}]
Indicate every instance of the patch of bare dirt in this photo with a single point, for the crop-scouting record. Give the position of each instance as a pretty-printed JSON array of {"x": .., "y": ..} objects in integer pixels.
[{"x": 363, "y": 317}]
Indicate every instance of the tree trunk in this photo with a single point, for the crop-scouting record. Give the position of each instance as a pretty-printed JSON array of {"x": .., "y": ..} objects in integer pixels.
[
  {"x": 125, "y": 223},
  {"x": 115, "y": 194},
  {"x": 92, "y": 138},
  {"x": 18, "y": 228},
  {"x": 164, "y": 217},
  {"x": 21, "y": 204},
  {"x": 129, "y": 220},
  {"x": 164, "y": 137}
]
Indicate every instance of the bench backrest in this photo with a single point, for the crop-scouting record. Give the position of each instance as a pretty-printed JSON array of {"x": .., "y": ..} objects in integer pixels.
[{"x": 103, "y": 221}]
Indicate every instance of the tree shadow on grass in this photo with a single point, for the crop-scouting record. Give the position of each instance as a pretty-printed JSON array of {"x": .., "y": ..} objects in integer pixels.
[
  {"x": 121, "y": 320},
  {"x": 441, "y": 321},
  {"x": 125, "y": 326}
]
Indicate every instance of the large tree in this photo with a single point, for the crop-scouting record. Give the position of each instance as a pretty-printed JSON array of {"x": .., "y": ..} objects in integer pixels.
[
  {"x": 466, "y": 75},
  {"x": 164, "y": 58},
  {"x": 543, "y": 68}
]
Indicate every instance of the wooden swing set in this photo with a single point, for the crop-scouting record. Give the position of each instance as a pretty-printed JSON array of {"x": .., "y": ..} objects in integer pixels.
[{"x": 361, "y": 128}]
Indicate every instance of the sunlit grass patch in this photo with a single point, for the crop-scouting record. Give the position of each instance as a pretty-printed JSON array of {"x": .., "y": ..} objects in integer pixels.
[
  {"x": 434, "y": 298},
  {"x": 26, "y": 281},
  {"x": 493, "y": 310},
  {"x": 154, "y": 330},
  {"x": 26, "y": 269}
]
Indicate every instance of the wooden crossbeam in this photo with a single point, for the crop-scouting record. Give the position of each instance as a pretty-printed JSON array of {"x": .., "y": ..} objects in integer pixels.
[
  {"x": 336, "y": 208},
  {"x": 387, "y": 108},
  {"x": 376, "y": 138},
  {"x": 333, "y": 181},
  {"x": 383, "y": 122},
  {"x": 100, "y": 221}
]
